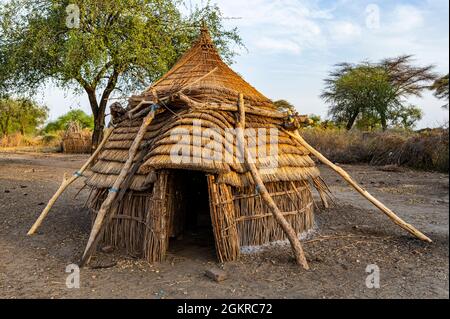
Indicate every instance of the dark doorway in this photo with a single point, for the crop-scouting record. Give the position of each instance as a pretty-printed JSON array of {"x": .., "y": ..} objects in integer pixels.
[{"x": 191, "y": 232}]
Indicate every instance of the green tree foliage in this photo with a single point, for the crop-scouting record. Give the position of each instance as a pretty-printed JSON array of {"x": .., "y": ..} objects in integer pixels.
[
  {"x": 440, "y": 88},
  {"x": 315, "y": 120},
  {"x": 406, "y": 117},
  {"x": 284, "y": 106},
  {"x": 21, "y": 115},
  {"x": 63, "y": 121},
  {"x": 117, "y": 46},
  {"x": 374, "y": 94}
]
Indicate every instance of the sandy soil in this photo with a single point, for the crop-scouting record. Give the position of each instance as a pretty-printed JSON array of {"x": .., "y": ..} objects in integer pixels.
[{"x": 360, "y": 235}]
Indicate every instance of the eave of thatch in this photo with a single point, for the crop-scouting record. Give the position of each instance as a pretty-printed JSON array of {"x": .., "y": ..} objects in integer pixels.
[{"x": 293, "y": 162}]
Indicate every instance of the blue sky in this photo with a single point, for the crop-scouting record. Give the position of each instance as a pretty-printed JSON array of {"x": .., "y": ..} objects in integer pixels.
[{"x": 293, "y": 44}]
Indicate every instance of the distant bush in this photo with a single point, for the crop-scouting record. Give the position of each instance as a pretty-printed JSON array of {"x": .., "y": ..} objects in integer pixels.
[
  {"x": 420, "y": 150},
  {"x": 62, "y": 123},
  {"x": 52, "y": 139}
]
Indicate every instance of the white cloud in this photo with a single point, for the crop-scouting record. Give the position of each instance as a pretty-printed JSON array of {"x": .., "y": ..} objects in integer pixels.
[
  {"x": 278, "y": 45},
  {"x": 405, "y": 19},
  {"x": 344, "y": 31},
  {"x": 281, "y": 26}
]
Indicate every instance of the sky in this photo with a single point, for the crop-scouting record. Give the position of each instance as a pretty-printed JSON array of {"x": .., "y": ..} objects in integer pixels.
[{"x": 291, "y": 46}]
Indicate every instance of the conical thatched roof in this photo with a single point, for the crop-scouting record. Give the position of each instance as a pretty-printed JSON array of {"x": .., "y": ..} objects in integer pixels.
[{"x": 205, "y": 79}]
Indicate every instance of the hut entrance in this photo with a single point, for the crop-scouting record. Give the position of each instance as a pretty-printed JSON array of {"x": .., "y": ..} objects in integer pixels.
[{"x": 191, "y": 229}]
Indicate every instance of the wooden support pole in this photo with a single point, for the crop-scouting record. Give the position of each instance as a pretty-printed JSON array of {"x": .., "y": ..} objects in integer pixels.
[
  {"x": 226, "y": 107},
  {"x": 397, "y": 220},
  {"x": 67, "y": 182},
  {"x": 278, "y": 215},
  {"x": 105, "y": 209}
]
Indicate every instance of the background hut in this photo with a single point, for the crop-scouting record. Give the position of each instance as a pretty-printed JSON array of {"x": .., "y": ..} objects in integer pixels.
[{"x": 76, "y": 140}]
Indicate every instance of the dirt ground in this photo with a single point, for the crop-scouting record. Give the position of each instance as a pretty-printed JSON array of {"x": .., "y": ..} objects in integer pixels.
[{"x": 348, "y": 237}]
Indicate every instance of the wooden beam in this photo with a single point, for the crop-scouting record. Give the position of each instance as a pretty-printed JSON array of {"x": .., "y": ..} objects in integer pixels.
[
  {"x": 397, "y": 220},
  {"x": 67, "y": 182},
  {"x": 278, "y": 215},
  {"x": 227, "y": 107}
]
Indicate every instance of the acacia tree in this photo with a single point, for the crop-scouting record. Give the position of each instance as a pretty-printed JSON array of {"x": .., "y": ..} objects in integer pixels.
[
  {"x": 21, "y": 115},
  {"x": 440, "y": 88},
  {"x": 99, "y": 47},
  {"x": 374, "y": 91}
]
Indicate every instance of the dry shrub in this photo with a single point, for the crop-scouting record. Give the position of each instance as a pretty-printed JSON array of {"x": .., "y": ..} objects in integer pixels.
[
  {"x": 428, "y": 150},
  {"x": 340, "y": 146},
  {"x": 18, "y": 140},
  {"x": 422, "y": 150},
  {"x": 52, "y": 139},
  {"x": 386, "y": 148}
]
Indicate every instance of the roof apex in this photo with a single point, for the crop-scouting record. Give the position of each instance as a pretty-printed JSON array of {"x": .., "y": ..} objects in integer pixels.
[{"x": 201, "y": 69}]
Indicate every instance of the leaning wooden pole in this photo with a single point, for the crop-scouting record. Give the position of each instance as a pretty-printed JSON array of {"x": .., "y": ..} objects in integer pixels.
[
  {"x": 278, "y": 215},
  {"x": 67, "y": 182},
  {"x": 397, "y": 220},
  {"x": 105, "y": 209}
]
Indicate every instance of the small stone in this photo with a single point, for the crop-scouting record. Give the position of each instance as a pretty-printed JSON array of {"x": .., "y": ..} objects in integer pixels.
[
  {"x": 107, "y": 249},
  {"x": 7, "y": 191},
  {"x": 216, "y": 274}
]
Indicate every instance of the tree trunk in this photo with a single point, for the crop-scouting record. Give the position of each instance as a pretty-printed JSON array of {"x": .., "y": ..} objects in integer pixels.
[
  {"x": 99, "y": 118},
  {"x": 99, "y": 108},
  {"x": 99, "y": 125},
  {"x": 351, "y": 121},
  {"x": 383, "y": 122}
]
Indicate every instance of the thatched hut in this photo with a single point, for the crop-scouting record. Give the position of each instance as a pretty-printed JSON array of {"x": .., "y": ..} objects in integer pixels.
[
  {"x": 201, "y": 144},
  {"x": 76, "y": 140},
  {"x": 166, "y": 191}
]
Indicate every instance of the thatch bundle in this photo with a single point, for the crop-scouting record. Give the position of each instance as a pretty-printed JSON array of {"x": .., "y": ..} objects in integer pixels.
[{"x": 76, "y": 140}]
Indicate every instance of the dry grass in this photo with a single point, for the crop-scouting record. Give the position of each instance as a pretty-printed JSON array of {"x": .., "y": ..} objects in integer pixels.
[
  {"x": 426, "y": 150},
  {"x": 19, "y": 142}
]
